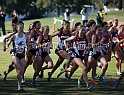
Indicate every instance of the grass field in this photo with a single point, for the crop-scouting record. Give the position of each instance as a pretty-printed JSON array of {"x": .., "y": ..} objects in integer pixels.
[{"x": 58, "y": 86}]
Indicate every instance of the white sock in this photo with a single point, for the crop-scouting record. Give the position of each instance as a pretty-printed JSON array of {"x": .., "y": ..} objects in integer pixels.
[{"x": 98, "y": 64}]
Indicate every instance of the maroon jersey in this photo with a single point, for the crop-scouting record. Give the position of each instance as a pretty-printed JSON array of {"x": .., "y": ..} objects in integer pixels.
[
  {"x": 61, "y": 37},
  {"x": 105, "y": 44},
  {"x": 47, "y": 41},
  {"x": 80, "y": 44}
]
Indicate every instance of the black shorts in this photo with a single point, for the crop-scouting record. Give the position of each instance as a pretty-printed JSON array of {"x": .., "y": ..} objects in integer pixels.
[
  {"x": 20, "y": 56},
  {"x": 44, "y": 54},
  {"x": 32, "y": 51},
  {"x": 36, "y": 52},
  {"x": 58, "y": 49},
  {"x": 105, "y": 52},
  {"x": 73, "y": 54},
  {"x": 113, "y": 45},
  {"x": 82, "y": 57},
  {"x": 96, "y": 56}
]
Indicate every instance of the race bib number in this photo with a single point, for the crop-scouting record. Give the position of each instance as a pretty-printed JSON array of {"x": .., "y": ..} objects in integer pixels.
[
  {"x": 81, "y": 46},
  {"x": 72, "y": 54}
]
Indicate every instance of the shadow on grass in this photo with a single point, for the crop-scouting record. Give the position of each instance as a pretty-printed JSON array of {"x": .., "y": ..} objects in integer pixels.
[{"x": 58, "y": 87}]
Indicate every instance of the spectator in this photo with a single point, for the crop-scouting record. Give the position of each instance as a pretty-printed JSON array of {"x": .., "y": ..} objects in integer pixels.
[
  {"x": 14, "y": 19},
  {"x": 2, "y": 20},
  {"x": 100, "y": 17},
  {"x": 105, "y": 6},
  {"x": 67, "y": 14},
  {"x": 85, "y": 15}
]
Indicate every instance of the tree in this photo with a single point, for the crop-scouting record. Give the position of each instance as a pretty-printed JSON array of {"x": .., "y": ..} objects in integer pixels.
[
  {"x": 21, "y": 6},
  {"x": 111, "y": 3},
  {"x": 27, "y": 6},
  {"x": 74, "y": 5},
  {"x": 120, "y": 4}
]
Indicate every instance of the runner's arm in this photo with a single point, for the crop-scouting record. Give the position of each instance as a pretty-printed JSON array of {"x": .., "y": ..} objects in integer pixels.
[
  {"x": 93, "y": 41},
  {"x": 72, "y": 38},
  {"x": 9, "y": 42},
  {"x": 55, "y": 33},
  {"x": 38, "y": 42},
  {"x": 6, "y": 37}
]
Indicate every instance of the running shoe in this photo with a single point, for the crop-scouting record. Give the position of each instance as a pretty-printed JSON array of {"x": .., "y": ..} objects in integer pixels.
[
  {"x": 118, "y": 73},
  {"x": 90, "y": 86},
  {"x": 49, "y": 76},
  {"x": 38, "y": 76},
  {"x": 60, "y": 72},
  {"x": 94, "y": 82},
  {"x": 116, "y": 84},
  {"x": 96, "y": 76},
  {"x": 33, "y": 83},
  {"x": 66, "y": 76},
  {"x": 5, "y": 75},
  {"x": 41, "y": 74},
  {"x": 22, "y": 81},
  {"x": 79, "y": 83},
  {"x": 104, "y": 77},
  {"x": 20, "y": 88},
  {"x": 102, "y": 80}
]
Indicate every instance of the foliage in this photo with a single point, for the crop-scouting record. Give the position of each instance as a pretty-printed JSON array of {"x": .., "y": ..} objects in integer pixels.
[
  {"x": 111, "y": 3},
  {"x": 34, "y": 8},
  {"x": 24, "y": 6}
]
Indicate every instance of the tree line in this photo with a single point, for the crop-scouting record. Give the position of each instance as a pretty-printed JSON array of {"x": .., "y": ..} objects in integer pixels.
[{"x": 38, "y": 7}]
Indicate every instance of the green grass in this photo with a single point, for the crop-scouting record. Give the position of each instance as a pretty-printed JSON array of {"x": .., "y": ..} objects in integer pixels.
[{"x": 58, "y": 86}]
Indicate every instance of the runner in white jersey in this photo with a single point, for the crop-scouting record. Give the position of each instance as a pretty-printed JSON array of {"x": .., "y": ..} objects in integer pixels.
[{"x": 20, "y": 40}]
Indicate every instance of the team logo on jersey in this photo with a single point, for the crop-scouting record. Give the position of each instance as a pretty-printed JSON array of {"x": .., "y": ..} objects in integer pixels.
[{"x": 21, "y": 43}]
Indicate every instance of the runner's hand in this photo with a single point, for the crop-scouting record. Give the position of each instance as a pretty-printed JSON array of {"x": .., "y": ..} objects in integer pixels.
[{"x": 4, "y": 48}]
